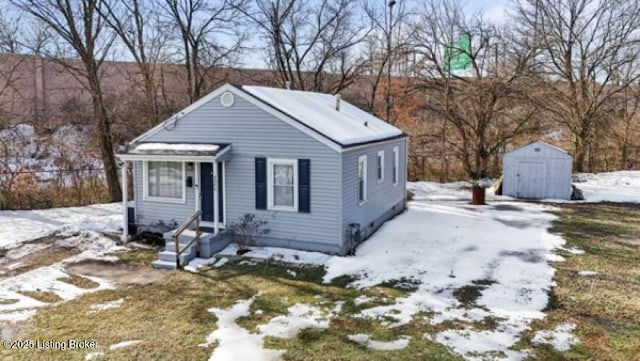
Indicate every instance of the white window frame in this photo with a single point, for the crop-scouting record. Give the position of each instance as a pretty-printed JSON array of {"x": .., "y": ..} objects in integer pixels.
[
  {"x": 380, "y": 166},
  {"x": 362, "y": 160},
  {"x": 271, "y": 162},
  {"x": 396, "y": 165},
  {"x": 145, "y": 185}
]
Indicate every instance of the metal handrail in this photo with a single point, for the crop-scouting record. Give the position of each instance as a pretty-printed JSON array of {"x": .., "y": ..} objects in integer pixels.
[{"x": 176, "y": 235}]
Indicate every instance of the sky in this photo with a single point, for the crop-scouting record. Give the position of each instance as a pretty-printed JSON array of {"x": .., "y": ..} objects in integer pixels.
[{"x": 493, "y": 10}]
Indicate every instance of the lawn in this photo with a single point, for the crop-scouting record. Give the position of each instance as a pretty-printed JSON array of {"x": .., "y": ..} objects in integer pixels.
[
  {"x": 171, "y": 317},
  {"x": 605, "y": 306},
  {"x": 171, "y": 313}
]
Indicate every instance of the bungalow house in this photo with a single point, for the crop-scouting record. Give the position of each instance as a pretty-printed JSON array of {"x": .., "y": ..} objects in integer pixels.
[{"x": 318, "y": 172}]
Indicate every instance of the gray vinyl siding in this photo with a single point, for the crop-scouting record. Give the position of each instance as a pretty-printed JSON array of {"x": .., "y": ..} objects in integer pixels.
[
  {"x": 383, "y": 199},
  {"x": 252, "y": 132}
]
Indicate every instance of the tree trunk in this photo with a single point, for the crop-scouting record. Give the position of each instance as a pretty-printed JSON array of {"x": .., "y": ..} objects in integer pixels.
[
  {"x": 105, "y": 142},
  {"x": 150, "y": 95},
  {"x": 580, "y": 155}
]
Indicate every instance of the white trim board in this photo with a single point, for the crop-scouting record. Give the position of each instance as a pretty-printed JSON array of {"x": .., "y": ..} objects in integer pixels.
[
  {"x": 270, "y": 183},
  {"x": 160, "y": 158},
  {"x": 145, "y": 187}
]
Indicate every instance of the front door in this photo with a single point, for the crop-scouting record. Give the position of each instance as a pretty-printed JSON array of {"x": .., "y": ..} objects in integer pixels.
[{"x": 206, "y": 191}]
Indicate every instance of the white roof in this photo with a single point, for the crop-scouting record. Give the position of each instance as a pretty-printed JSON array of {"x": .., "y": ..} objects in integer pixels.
[
  {"x": 185, "y": 147},
  {"x": 348, "y": 126},
  {"x": 174, "y": 149}
]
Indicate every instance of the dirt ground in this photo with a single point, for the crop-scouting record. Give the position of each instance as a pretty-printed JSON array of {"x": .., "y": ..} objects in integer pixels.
[{"x": 118, "y": 272}]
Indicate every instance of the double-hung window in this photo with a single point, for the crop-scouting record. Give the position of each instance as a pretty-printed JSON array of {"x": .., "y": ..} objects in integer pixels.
[
  {"x": 362, "y": 179},
  {"x": 164, "y": 181},
  {"x": 282, "y": 178}
]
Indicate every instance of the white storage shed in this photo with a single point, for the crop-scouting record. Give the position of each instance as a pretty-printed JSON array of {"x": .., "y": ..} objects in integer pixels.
[{"x": 537, "y": 171}]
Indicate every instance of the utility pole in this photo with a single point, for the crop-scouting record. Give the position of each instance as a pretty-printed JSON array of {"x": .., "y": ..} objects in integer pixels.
[{"x": 389, "y": 31}]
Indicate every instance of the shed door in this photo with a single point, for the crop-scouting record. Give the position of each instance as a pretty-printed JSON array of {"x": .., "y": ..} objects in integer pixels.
[{"x": 531, "y": 180}]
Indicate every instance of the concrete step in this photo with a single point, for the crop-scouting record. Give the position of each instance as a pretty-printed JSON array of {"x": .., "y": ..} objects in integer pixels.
[
  {"x": 171, "y": 247},
  {"x": 163, "y": 265},
  {"x": 185, "y": 237},
  {"x": 185, "y": 257}
]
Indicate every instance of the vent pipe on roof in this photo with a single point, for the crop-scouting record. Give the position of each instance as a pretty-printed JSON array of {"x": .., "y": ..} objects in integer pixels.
[
  {"x": 287, "y": 84},
  {"x": 338, "y": 97}
]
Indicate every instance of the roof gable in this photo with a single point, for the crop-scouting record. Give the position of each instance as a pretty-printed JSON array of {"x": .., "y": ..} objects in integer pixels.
[
  {"x": 529, "y": 148},
  {"x": 312, "y": 113}
]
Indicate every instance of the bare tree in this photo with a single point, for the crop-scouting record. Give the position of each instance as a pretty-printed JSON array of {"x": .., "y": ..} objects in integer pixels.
[
  {"x": 80, "y": 29},
  {"x": 387, "y": 44},
  {"x": 311, "y": 46},
  {"x": 588, "y": 54},
  {"x": 210, "y": 37},
  {"x": 483, "y": 107},
  {"x": 624, "y": 123},
  {"x": 9, "y": 30},
  {"x": 138, "y": 27}
]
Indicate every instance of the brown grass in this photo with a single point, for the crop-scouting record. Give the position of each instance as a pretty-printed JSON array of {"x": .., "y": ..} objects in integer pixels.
[
  {"x": 42, "y": 296},
  {"x": 605, "y": 307},
  {"x": 80, "y": 282}
]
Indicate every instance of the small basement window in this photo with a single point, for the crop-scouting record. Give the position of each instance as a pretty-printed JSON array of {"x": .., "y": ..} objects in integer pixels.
[
  {"x": 282, "y": 178},
  {"x": 164, "y": 181},
  {"x": 362, "y": 179}
]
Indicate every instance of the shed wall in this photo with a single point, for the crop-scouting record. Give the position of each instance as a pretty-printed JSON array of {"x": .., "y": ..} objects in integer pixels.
[{"x": 523, "y": 168}]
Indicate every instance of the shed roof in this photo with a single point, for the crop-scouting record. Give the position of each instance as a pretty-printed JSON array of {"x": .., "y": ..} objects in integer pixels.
[{"x": 538, "y": 143}]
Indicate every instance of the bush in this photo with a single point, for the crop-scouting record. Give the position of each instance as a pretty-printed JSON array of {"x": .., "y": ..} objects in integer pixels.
[{"x": 247, "y": 228}]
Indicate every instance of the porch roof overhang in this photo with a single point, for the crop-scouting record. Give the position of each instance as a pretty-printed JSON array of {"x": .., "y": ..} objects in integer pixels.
[{"x": 180, "y": 152}]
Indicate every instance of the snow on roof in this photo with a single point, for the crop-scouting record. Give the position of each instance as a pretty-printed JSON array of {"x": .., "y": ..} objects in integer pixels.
[
  {"x": 347, "y": 126},
  {"x": 174, "y": 148}
]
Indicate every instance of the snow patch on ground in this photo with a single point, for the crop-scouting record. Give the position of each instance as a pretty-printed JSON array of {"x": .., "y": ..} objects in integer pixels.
[
  {"x": 48, "y": 278},
  {"x": 561, "y": 338},
  {"x": 198, "y": 263},
  {"x": 484, "y": 345},
  {"x": 93, "y": 355},
  {"x": 237, "y": 343},
  {"x": 17, "y": 316},
  {"x": 20, "y": 226},
  {"x": 124, "y": 344},
  {"x": 622, "y": 186},
  {"x": 366, "y": 341},
  {"x": 588, "y": 273},
  {"x": 360, "y": 300},
  {"x": 277, "y": 254},
  {"x": 107, "y": 305},
  {"x": 300, "y": 317},
  {"x": 440, "y": 244}
]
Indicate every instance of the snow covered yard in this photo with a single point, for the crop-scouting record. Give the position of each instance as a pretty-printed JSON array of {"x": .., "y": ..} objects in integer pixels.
[
  {"x": 37, "y": 246},
  {"x": 444, "y": 280}
]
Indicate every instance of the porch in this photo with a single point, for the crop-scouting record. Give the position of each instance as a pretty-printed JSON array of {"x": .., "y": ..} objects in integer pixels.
[
  {"x": 184, "y": 182},
  {"x": 206, "y": 247}
]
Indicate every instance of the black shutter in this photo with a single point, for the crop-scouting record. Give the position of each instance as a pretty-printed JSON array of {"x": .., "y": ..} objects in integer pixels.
[
  {"x": 261, "y": 183},
  {"x": 304, "y": 185}
]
